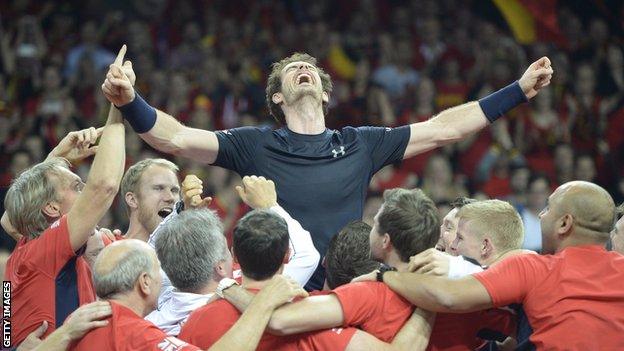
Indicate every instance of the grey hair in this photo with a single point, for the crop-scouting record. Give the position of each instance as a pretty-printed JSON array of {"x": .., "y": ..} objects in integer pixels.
[
  {"x": 29, "y": 193},
  {"x": 189, "y": 246},
  {"x": 121, "y": 278}
]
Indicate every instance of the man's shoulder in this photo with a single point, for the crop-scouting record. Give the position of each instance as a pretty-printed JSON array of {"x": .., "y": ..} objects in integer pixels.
[
  {"x": 247, "y": 130},
  {"x": 220, "y": 309}
]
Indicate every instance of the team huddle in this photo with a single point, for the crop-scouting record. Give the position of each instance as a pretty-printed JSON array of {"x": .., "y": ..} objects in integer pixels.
[{"x": 303, "y": 272}]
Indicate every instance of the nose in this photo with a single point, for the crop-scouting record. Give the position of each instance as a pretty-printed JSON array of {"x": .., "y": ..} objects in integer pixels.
[{"x": 168, "y": 196}]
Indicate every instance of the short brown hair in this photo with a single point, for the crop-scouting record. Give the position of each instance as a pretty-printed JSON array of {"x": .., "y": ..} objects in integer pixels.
[
  {"x": 274, "y": 83},
  {"x": 348, "y": 255},
  {"x": 497, "y": 218},
  {"x": 29, "y": 193},
  {"x": 411, "y": 220},
  {"x": 130, "y": 180}
]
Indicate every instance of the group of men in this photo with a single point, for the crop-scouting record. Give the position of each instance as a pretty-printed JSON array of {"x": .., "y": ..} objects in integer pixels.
[{"x": 171, "y": 282}]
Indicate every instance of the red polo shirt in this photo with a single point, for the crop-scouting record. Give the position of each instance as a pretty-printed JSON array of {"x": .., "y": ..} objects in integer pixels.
[
  {"x": 127, "y": 331},
  {"x": 378, "y": 310},
  {"x": 207, "y": 324},
  {"x": 574, "y": 300},
  {"x": 374, "y": 308},
  {"x": 48, "y": 281}
]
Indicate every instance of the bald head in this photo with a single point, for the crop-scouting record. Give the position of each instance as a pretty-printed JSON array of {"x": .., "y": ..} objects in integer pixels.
[
  {"x": 120, "y": 264},
  {"x": 591, "y": 206}
]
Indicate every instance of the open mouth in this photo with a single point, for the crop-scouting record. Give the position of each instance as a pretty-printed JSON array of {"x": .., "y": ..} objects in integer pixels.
[
  {"x": 164, "y": 212},
  {"x": 304, "y": 78}
]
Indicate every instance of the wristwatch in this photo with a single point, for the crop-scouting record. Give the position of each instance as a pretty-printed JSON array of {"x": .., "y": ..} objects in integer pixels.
[
  {"x": 223, "y": 285},
  {"x": 383, "y": 268}
]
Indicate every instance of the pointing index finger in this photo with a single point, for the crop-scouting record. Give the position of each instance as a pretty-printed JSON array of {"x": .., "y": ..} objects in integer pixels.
[{"x": 120, "y": 55}]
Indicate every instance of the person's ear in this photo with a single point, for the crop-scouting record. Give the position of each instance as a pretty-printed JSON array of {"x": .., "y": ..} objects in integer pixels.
[
  {"x": 277, "y": 98},
  {"x": 131, "y": 200},
  {"x": 286, "y": 256},
  {"x": 386, "y": 242},
  {"x": 486, "y": 248},
  {"x": 564, "y": 226},
  {"x": 325, "y": 97},
  {"x": 145, "y": 283},
  {"x": 52, "y": 209}
]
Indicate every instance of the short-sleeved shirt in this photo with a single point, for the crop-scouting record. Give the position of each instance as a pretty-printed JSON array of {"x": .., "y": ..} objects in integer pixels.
[
  {"x": 208, "y": 324},
  {"x": 374, "y": 308},
  {"x": 574, "y": 300},
  {"x": 459, "y": 331},
  {"x": 48, "y": 281},
  {"x": 127, "y": 331},
  {"x": 322, "y": 179}
]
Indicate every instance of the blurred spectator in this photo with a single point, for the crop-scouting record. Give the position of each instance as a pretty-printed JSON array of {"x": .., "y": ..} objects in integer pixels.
[
  {"x": 539, "y": 190},
  {"x": 392, "y": 62}
]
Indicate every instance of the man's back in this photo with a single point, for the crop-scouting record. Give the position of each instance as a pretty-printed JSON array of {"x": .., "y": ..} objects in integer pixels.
[
  {"x": 573, "y": 299},
  {"x": 207, "y": 324},
  {"x": 48, "y": 281},
  {"x": 127, "y": 331}
]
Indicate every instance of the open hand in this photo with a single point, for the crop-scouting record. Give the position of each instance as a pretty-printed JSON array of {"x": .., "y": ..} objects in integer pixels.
[
  {"x": 430, "y": 261},
  {"x": 280, "y": 290},
  {"x": 78, "y": 145}
]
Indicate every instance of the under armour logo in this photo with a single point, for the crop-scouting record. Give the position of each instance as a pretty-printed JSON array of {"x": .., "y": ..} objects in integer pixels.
[{"x": 339, "y": 152}]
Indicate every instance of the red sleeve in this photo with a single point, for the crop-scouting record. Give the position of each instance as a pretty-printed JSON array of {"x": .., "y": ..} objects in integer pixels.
[
  {"x": 208, "y": 324},
  {"x": 51, "y": 250},
  {"x": 358, "y": 301},
  {"x": 329, "y": 339},
  {"x": 511, "y": 280}
]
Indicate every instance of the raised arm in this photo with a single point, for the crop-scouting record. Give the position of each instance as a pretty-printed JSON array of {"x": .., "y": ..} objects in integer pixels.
[
  {"x": 162, "y": 131},
  {"x": 103, "y": 179},
  {"x": 259, "y": 193},
  {"x": 461, "y": 121}
]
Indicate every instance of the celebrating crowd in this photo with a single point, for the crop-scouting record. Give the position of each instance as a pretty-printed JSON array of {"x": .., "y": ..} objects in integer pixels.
[{"x": 308, "y": 234}]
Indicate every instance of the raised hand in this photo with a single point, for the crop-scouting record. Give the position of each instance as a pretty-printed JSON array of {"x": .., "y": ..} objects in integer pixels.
[
  {"x": 536, "y": 77},
  {"x": 257, "y": 192},
  {"x": 280, "y": 290},
  {"x": 191, "y": 193},
  {"x": 78, "y": 145},
  {"x": 118, "y": 85}
]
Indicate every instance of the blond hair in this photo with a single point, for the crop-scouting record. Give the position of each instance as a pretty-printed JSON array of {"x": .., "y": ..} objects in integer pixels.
[
  {"x": 29, "y": 193},
  {"x": 130, "y": 180},
  {"x": 497, "y": 219}
]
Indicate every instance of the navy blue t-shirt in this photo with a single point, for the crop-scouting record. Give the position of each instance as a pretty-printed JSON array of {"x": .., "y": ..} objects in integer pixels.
[{"x": 322, "y": 179}]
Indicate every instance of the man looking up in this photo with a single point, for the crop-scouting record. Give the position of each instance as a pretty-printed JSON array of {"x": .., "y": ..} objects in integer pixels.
[{"x": 322, "y": 173}]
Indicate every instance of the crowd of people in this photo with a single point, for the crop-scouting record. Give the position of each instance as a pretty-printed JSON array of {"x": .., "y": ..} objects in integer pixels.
[{"x": 226, "y": 177}]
